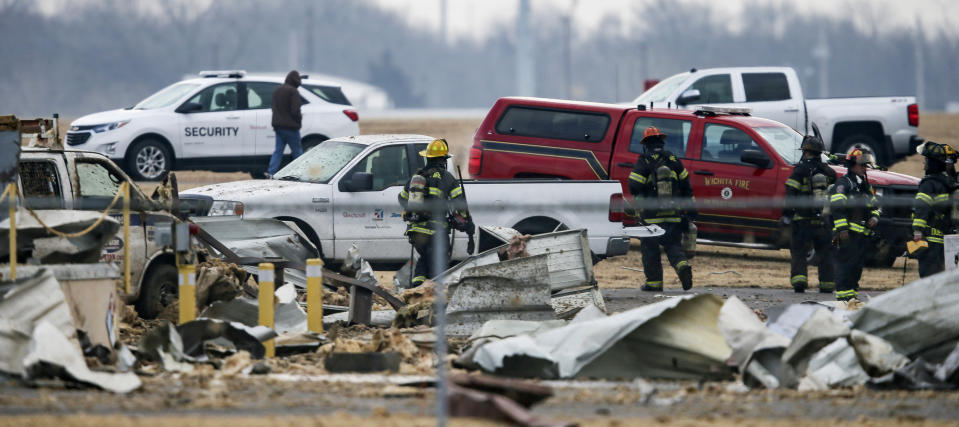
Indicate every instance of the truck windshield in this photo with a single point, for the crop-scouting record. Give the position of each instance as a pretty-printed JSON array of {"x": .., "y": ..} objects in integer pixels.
[
  {"x": 785, "y": 141},
  {"x": 319, "y": 164},
  {"x": 662, "y": 90},
  {"x": 166, "y": 97}
]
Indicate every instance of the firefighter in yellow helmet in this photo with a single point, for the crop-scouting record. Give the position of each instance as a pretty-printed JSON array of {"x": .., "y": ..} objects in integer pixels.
[
  {"x": 855, "y": 214},
  {"x": 433, "y": 203}
]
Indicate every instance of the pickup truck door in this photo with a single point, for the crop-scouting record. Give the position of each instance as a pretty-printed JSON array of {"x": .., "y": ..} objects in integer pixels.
[
  {"x": 770, "y": 95},
  {"x": 628, "y": 146},
  {"x": 220, "y": 128},
  {"x": 718, "y": 176},
  {"x": 372, "y": 219}
]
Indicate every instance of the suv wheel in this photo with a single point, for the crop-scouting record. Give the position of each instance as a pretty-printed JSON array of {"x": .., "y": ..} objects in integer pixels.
[{"x": 149, "y": 160}]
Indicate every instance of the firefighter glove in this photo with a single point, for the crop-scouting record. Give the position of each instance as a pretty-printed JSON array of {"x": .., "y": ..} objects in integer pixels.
[
  {"x": 470, "y": 244},
  {"x": 785, "y": 220},
  {"x": 916, "y": 235},
  {"x": 872, "y": 222}
]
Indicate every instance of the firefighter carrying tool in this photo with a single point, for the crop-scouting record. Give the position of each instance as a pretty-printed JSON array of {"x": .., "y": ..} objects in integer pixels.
[
  {"x": 433, "y": 202},
  {"x": 931, "y": 210},
  {"x": 807, "y": 210},
  {"x": 660, "y": 187},
  {"x": 854, "y": 213}
]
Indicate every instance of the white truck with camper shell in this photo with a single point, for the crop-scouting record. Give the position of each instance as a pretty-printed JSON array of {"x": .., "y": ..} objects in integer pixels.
[
  {"x": 344, "y": 192},
  {"x": 886, "y": 125},
  {"x": 220, "y": 121}
]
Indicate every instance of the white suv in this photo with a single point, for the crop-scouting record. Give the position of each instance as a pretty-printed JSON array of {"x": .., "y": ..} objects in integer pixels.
[{"x": 220, "y": 121}]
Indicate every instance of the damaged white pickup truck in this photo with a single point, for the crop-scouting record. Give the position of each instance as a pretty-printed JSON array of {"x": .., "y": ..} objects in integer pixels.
[{"x": 344, "y": 192}]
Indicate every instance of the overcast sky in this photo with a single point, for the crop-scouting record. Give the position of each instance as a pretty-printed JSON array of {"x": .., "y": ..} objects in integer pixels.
[{"x": 473, "y": 18}]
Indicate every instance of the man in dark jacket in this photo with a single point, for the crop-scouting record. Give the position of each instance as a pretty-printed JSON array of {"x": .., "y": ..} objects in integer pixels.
[
  {"x": 805, "y": 199},
  {"x": 855, "y": 214},
  {"x": 287, "y": 120},
  {"x": 433, "y": 202},
  {"x": 659, "y": 183}
]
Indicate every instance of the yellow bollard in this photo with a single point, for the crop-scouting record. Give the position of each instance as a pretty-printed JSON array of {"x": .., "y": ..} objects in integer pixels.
[
  {"x": 12, "y": 198},
  {"x": 314, "y": 295},
  {"x": 265, "y": 300},
  {"x": 125, "y": 188},
  {"x": 187, "y": 293}
]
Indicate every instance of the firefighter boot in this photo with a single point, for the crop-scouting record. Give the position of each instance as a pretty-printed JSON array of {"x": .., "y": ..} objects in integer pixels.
[
  {"x": 654, "y": 286},
  {"x": 686, "y": 278}
]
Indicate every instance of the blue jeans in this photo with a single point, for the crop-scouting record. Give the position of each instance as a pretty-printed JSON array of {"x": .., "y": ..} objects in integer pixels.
[{"x": 284, "y": 137}]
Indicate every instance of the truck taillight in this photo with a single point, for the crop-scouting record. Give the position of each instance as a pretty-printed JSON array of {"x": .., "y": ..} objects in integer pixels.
[
  {"x": 616, "y": 212},
  {"x": 476, "y": 161},
  {"x": 913, "y": 111}
]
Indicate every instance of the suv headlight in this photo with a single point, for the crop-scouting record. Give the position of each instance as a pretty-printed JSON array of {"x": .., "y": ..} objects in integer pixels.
[
  {"x": 109, "y": 126},
  {"x": 226, "y": 208}
]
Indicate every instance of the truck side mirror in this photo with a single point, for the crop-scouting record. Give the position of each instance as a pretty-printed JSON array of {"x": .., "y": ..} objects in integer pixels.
[
  {"x": 357, "y": 181},
  {"x": 688, "y": 97},
  {"x": 189, "y": 107},
  {"x": 756, "y": 157}
]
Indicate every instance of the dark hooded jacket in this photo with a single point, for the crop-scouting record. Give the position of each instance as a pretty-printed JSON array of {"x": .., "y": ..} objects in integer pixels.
[{"x": 286, "y": 104}]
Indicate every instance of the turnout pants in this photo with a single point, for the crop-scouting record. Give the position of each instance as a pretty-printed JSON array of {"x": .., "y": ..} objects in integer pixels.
[
  {"x": 671, "y": 241},
  {"x": 932, "y": 261},
  {"x": 804, "y": 235},
  {"x": 434, "y": 254},
  {"x": 849, "y": 258}
]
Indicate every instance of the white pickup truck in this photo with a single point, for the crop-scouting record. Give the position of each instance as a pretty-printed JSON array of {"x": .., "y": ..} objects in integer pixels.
[
  {"x": 345, "y": 190},
  {"x": 887, "y": 125}
]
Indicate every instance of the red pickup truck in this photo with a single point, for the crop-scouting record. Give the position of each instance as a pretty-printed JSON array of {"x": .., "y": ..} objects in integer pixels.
[{"x": 731, "y": 157}]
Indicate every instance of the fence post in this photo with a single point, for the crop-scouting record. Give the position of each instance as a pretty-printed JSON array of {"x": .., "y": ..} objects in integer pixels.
[
  {"x": 125, "y": 188},
  {"x": 265, "y": 300},
  {"x": 12, "y": 203},
  {"x": 187, "y": 293},
  {"x": 314, "y": 295}
]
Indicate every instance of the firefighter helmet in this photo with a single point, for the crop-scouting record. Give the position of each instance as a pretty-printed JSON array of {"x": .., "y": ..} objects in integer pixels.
[
  {"x": 437, "y": 148},
  {"x": 812, "y": 143},
  {"x": 933, "y": 151},
  {"x": 951, "y": 153},
  {"x": 652, "y": 133},
  {"x": 859, "y": 156}
]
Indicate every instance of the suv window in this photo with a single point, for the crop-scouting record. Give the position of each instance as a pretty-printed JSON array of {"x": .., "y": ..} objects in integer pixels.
[
  {"x": 553, "y": 124},
  {"x": 389, "y": 166},
  {"x": 330, "y": 94},
  {"x": 677, "y": 133},
  {"x": 725, "y": 144},
  {"x": 221, "y": 97},
  {"x": 765, "y": 87},
  {"x": 260, "y": 94},
  {"x": 714, "y": 89},
  {"x": 40, "y": 184}
]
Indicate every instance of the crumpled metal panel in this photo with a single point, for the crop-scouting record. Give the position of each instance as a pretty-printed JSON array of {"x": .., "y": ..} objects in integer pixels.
[
  {"x": 676, "y": 338},
  {"x": 24, "y": 303},
  {"x": 919, "y": 319},
  {"x": 515, "y": 290},
  {"x": 84, "y": 249}
]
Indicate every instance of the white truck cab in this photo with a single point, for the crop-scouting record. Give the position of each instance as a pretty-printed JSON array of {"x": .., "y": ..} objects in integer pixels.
[
  {"x": 220, "y": 121},
  {"x": 886, "y": 125}
]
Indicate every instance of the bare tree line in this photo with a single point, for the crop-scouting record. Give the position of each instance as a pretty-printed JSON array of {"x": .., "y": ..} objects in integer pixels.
[{"x": 108, "y": 54}]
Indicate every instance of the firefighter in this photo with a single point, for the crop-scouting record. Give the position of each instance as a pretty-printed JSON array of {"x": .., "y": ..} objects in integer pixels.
[
  {"x": 806, "y": 193},
  {"x": 433, "y": 202},
  {"x": 931, "y": 210},
  {"x": 853, "y": 208},
  {"x": 660, "y": 186}
]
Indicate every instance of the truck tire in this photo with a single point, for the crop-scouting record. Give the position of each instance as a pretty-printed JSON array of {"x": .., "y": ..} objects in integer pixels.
[
  {"x": 159, "y": 289},
  {"x": 860, "y": 140},
  {"x": 148, "y": 160}
]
